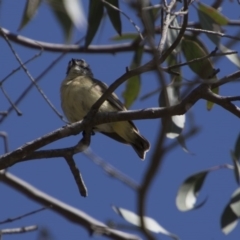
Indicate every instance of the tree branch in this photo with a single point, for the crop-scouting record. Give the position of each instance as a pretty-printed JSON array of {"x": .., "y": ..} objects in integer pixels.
[
  {"x": 73, "y": 48},
  {"x": 72, "y": 214}
]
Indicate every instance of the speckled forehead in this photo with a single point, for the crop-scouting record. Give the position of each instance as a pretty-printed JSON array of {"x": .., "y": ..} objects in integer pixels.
[{"x": 81, "y": 62}]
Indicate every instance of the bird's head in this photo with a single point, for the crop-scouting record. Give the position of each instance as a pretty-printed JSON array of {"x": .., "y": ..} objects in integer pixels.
[{"x": 79, "y": 67}]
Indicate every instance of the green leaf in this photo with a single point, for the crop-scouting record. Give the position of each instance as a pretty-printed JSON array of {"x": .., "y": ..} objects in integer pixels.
[
  {"x": 211, "y": 19},
  {"x": 133, "y": 84},
  {"x": 216, "y": 91},
  {"x": 213, "y": 13},
  {"x": 187, "y": 193},
  {"x": 231, "y": 213},
  {"x": 94, "y": 18},
  {"x": 237, "y": 148},
  {"x": 31, "y": 7},
  {"x": 125, "y": 36},
  {"x": 192, "y": 50},
  {"x": 62, "y": 16},
  {"x": 150, "y": 223},
  {"x": 114, "y": 15},
  {"x": 208, "y": 23}
]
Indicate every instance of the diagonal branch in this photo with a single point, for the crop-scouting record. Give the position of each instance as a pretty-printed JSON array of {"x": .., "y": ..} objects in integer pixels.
[{"x": 68, "y": 212}]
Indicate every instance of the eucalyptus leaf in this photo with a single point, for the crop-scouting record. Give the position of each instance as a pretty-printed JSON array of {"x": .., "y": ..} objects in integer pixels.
[
  {"x": 62, "y": 16},
  {"x": 188, "y": 191},
  {"x": 231, "y": 213},
  {"x": 216, "y": 91},
  {"x": 175, "y": 124},
  {"x": 237, "y": 148},
  {"x": 133, "y": 84},
  {"x": 75, "y": 12},
  {"x": 150, "y": 223},
  {"x": 172, "y": 34},
  {"x": 94, "y": 19},
  {"x": 192, "y": 50},
  {"x": 114, "y": 15},
  {"x": 229, "y": 220},
  {"x": 236, "y": 169},
  {"x": 213, "y": 13},
  {"x": 234, "y": 58},
  {"x": 30, "y": 10},
  {"x": 235, "y": 202}
]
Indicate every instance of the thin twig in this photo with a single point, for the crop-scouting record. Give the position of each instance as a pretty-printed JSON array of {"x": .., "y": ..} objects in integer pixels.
[
  {"x": 77, "y": 175},
  {"x": 4, "y": 113},
  {"x": 18, "y": 68},
  {"x": 30, "y": 77},
  {"x": 19, "y": 113},
  {"x": 207, "y": 32},
  {"x": 110, "y": 170},
  {"x": 22, "y": 216},
  {"x": 18, "y": 230},
  {"x": 5, "y": 140}
]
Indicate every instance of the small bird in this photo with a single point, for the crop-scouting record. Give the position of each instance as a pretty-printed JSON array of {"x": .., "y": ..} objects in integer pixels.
[{"x": 79, "y": 91}]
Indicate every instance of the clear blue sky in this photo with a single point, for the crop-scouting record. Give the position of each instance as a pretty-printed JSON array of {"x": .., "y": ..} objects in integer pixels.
[{"x": 211, "y": 147}]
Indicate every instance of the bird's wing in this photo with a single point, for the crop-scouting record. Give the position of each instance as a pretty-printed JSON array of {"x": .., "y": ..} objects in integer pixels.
[{"x": 113, "y": 98}]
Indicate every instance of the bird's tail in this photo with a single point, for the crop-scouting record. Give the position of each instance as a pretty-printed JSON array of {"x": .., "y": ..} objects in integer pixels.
[{"x": 140, "y": 145}]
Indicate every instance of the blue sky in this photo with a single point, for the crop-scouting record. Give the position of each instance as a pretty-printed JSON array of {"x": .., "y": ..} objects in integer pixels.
[{"x": 211, "y": 147}]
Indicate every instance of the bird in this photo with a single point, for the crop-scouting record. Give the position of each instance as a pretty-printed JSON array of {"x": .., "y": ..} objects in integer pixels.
[{"x": 80, "y": 90}]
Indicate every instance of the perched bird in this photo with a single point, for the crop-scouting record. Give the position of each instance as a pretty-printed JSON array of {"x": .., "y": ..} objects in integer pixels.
[{"x": 79, "y": 91}]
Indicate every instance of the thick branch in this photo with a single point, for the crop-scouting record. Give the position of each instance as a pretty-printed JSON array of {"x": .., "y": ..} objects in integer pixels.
[
  {"x": 72, "y": 214},
  {"x": 54, "y": 47},
  {"x": 201, "y": 91}
]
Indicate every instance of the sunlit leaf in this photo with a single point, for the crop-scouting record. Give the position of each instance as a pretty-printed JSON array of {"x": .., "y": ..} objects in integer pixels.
[
  {"x": 94, "y": 18},
  {"x": 216, "y": 91},
  {"x": 133, "y": 84},
  {"x": 75, "y": 11},
  {"x": 125, "y": 36},
  {"x": 114, "y": 15},
  {"x": 229, "y": 220},
  {"x": 30, "y": 10},
  {"x": 231, "y": 213},
  {"x": 187, "y": 193},
  {"x": 192, "y": 50},
  {"x": 235, "y": 202},
  {"x": 237, "y": 148},
  {"x": 234, "y": 58},
  {"x": 62, "y": 16},
  {"x": 236, "y": 169},
  {"x": 150, "y": 224},
  {"x": 175, "y": 124}
]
